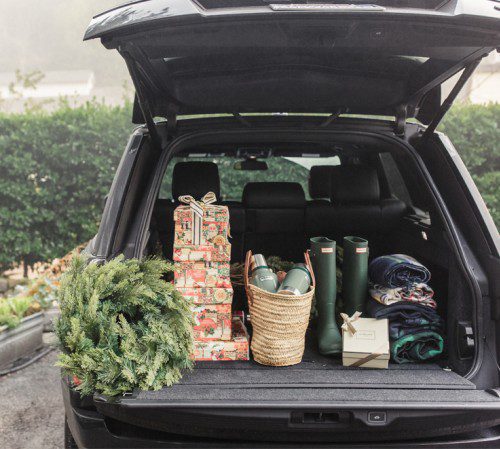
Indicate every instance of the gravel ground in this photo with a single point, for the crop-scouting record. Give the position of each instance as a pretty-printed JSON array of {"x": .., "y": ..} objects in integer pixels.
[{"x": 31, "y": 408}]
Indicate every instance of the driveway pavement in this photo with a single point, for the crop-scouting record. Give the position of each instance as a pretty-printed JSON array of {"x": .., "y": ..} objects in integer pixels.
[{"x": 31, "y": 408}]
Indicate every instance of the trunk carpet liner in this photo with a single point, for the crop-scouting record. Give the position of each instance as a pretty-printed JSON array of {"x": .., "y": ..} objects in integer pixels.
[
  {"x": 204, "y": 395},
  {"x": 317, "y": 371}
]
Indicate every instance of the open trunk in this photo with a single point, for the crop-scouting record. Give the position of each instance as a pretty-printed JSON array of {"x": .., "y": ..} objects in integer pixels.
[
  {"x": 245, "y": 61},
  {"x": 319, "y": 399}
]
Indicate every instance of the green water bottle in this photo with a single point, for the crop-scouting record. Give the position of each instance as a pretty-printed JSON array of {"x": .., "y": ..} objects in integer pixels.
[
  {"x": 261, "y": 275},
  {"x": 297, "y": 280}
]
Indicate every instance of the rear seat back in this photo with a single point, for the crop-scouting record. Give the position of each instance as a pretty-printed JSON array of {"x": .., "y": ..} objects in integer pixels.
[
  {"x": 319, "y": 213},
  {"x": 356, "y": 206},
  {"x": 188, "y": 178},
  {"x": 275, "y": 219},
  {"x": 237, "y": 221},
  {"x": 320, "y": 184}
]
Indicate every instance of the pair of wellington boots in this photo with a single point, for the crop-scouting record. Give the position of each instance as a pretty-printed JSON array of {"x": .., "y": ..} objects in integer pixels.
[{"x": 354, "y": 286}]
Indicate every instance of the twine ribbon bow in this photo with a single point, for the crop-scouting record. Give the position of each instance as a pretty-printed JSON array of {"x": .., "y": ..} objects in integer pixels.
[
  {"x": 348, "y": 320},
  {"x": 197, "y": 209}
]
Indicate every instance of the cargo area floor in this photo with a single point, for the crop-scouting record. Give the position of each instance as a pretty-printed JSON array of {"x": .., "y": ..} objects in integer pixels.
[{"x": 320, "y": 372}]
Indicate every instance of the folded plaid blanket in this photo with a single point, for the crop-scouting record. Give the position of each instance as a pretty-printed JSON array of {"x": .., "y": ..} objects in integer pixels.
[
  {"x": 417, "y": 293},
  {"x": 397, "y": 270},
  {"x": 417, "y": 347},
  {"x": 406, "y": 317},
  {"x": 415, "y": 330}
]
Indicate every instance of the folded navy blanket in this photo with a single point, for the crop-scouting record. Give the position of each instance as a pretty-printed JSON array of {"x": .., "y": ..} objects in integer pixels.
[
  {"x": 397, "y": 270},
  {"x": 406, "y": 318}
]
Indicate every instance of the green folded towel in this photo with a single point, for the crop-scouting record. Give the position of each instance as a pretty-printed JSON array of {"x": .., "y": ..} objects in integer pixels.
[{"x": 417, "y": 347}]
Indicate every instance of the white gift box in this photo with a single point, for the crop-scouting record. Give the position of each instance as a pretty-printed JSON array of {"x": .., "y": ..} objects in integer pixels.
[{"x": 368, "y": 347}]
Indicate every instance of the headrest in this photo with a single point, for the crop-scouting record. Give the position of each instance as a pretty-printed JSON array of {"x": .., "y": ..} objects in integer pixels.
[
  {"x": 319, "y": 181},
  {"x": 354, "y": 184},
  {"x": 274, "y": 195},
  {"x": 195, "y": 179}
]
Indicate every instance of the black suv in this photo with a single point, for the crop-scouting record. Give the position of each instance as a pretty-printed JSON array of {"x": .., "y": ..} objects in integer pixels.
[{"x": 252, "y": 99}]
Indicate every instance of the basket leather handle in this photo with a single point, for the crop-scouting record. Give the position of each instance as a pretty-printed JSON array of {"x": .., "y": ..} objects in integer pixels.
[
  {"x": 245, "y": 276},
  {"x": 307, "y": 258},
  {"x": 247, "y": 269}
]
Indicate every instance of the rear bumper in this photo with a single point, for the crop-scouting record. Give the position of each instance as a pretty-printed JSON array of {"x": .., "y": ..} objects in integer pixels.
[{"x": 91, "y": 429}]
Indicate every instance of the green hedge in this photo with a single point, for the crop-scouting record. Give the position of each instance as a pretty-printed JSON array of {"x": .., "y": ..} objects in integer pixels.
[
  {"x": 57, "y": 167},
  {"x": 55, "y": 170},
  {"x": 475, "y": 132}
]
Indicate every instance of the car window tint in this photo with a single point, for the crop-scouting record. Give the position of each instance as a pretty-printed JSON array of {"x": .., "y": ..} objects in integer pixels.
[{"x": 280, "y": 169}]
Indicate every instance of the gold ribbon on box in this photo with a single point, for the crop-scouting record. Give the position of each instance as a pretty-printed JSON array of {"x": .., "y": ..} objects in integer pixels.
[
  {"x": 348, "y": 320},
  {"x": 197, "y": 209},
  {"x": 372, "y": 356}
]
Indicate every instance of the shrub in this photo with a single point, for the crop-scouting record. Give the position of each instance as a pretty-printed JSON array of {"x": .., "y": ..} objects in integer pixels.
[
  {"x": 13, "y": 310},
  {"x": 475, "y": 132},
  {"x": 56, "y": 169},
  {"x": 122, "y": 326}
]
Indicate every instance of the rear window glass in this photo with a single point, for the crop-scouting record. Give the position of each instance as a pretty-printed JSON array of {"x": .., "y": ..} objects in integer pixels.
[{"x": 279, "y": 169}]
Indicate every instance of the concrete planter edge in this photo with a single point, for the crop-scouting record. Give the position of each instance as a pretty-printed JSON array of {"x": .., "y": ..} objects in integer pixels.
[
  {"x": 22, "y": 340},
  {"x": 49, "y": 316}
]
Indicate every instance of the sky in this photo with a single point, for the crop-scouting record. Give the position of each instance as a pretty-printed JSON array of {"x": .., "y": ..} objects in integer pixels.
[{"x": 47, "y": 35}]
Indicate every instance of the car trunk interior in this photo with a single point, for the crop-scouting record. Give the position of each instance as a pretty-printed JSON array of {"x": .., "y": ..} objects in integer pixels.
[
  {"x": 388, "y": 198},
  {"x": 276, "y": 219}
]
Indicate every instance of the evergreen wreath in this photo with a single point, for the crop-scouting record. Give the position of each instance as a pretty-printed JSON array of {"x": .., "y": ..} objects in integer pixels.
[{"x": 122, "y": 326}]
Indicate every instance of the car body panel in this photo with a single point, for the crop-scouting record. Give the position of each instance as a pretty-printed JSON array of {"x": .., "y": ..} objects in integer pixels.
[{"x": 188, "y": 60}]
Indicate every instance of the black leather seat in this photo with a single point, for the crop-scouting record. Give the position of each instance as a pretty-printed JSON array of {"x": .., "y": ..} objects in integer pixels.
[
  {"x": 237, "y": 221},
  {"x": 319, "y": 213},
  {"x": 275, "y": 219},
  {"x": 188, "y": 178},
  {"x": 320, "y": 184},
  {"x": 358, "y": 208}
]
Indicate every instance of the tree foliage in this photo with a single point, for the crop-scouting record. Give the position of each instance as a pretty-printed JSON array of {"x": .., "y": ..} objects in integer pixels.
[
  {"x": 475, "y": 133},
  {"x": 122, "y": 326},
  {"x": 55, "y": 170},
  {"x": 56, "y": 167}
]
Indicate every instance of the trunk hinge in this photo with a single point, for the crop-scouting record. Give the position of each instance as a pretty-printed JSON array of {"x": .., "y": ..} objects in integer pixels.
[
  {"x": 331, "y": 118},
  {"x": 144, "y": 104},
  {"x": 172, "y": 112},
  {"x": 145, "y": 81},
  {"x": 466, "y": 74},
  {"x": 400, "y": 124}
]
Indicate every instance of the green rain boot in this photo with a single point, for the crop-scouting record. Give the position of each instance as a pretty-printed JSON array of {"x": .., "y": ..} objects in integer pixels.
[
  {"x": 324, "y": 265},
  {"x": 354, "y": 274}
]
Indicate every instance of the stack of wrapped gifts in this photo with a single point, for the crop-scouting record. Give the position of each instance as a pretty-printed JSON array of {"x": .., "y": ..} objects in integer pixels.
[{"x": 202, "y": 254}]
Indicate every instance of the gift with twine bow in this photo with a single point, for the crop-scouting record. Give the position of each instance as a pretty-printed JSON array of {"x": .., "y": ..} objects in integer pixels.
[
  {"x": 365, "y": 341},
  {"x": 348, "y": 320},
  {"x": 198, "y": 209}
]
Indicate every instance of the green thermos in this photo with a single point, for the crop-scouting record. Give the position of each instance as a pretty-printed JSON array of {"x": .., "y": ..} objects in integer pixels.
[
  {"x": 261, "y": 275},
  {"x": 297, "y": 280}
]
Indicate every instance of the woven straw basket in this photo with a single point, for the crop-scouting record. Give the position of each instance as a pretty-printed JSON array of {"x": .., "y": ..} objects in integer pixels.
[{"x": 279, "y": 322}]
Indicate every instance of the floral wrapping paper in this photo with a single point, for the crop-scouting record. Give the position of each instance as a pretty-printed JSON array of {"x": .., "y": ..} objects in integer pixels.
[
  {"x": 202, "y": 274},
  {"x": 235, "y": 349},
  {"x": 196, "y": 253},
  {"x": 214, "y": 229},
  {"x": 212, "y": 322},
  {"x": 207, "y": 295}
]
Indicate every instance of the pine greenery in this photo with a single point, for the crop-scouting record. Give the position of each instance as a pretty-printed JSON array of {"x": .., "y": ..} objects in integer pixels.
[{"x": 122, "y": 326}]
